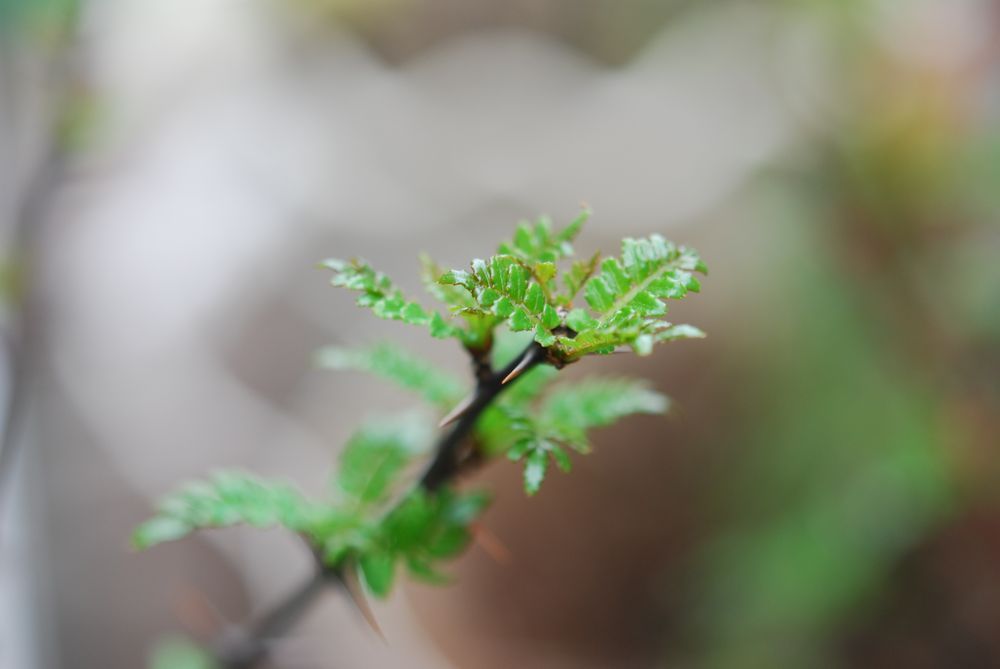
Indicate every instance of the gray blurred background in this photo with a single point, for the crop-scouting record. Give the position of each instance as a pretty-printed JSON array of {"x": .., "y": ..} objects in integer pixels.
[{"x": 823, "y": 494}]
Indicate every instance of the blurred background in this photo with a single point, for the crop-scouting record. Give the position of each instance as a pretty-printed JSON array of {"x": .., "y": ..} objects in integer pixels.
[{"x": 823, "y": 493}]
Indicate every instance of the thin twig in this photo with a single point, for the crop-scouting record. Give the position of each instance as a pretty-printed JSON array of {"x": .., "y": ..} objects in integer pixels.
[
  {"x": 243, "y": 648},
  {"x": 445, "y": 465}
]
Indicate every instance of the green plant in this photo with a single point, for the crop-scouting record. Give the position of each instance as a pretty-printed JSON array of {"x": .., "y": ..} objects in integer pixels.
[{"x": 519, "y": 316}]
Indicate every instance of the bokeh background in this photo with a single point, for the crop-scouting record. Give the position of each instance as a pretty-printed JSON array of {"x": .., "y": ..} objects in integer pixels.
[{"x": 823, "y": 493}]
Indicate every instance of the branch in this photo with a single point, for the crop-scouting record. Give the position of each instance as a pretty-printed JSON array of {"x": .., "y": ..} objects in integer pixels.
[
  {"x": 243, "y": 648},
  {"x": 445, "y": 465}
]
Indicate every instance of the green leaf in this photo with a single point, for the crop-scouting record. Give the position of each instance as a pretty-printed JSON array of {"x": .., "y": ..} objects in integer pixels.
[
  {"x": 423, "y": 571},
  {"x": 516, "y": 284},
  {"x": 679, "y": 332},
  {"x": 447, "y": 291},
  {"x": 176, "y": 653},
  {"x": 393, "y": 363},
  {"x": 158, "y": 530},
  {"x": 449, "y": 542},
  {"x": 380, "y": 294},
  {"x": 570, "y": 232},
  {"x": 229, "y": 498},
  {"x": 412, "y": 522},
  {"x": 377, "y": 571},
  {"x": 521, "y": 321},
  {"x": 579, "y": 320},
  {"x": 561, "y": 457},
  {"x": 565, "y": 416},
  {"x": 429, "y": 527},
  {"x": 543, "y": 336},
  {"x": 537, "y": 243},
  {"x": 535, "y": 299},
  {"x": 535, "y": 467},
  {"x": 463, "y": 509},
  {"x": 570, "y": 410},
  {"x": 504, "y": 288},
  {"x": 545, "y": 272},
  {"x": 442, "y": 329},
  {"x": 504, "y": 422},
  {"x": 339, "y": 533},
  {"x": 628, "y": 297},
  {"x": 579, "y": 272},
  {"x": 520, "y": 449},
  {"x": 376, "y": 454}
]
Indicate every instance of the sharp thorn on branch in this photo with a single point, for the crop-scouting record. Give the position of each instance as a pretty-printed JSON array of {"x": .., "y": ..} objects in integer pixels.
[
  {"x": 349, "y": 580},
  {"x": 460, "y": 410},
  {"x": 491, "y": 544},
  {"x": 198, "y": 613},
  {"x": 526, "y": 362}
]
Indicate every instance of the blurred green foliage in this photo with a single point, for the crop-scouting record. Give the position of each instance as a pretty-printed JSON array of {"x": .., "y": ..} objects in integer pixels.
[
  {"x": 176, "y": 653},
  {"x": 872, "y": 342},
  {"x": 841, "y": 472},
  {"x": 44, "y": 20}
]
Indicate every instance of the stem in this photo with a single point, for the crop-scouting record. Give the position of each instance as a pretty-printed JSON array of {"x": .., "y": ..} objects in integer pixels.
[
  {"x": 445, "y": 465},
  {"x": 244, "y": 648}
]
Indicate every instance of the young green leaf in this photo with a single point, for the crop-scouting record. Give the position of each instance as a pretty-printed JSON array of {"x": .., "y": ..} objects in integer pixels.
[
  {"x": 229, "y": 498},
  {"x": 516, "y": 286},
  {"x": 377, "y": 571},
  {"x": 569, "y": 411},
  {"x": 579, "y": 273},
  {"x": 376, "y": 454},
  {"x": 627, "y": 299},
  {"x": 505, "y": 288},
  {"x": 422, "y": 570},
  {"x": 565, "y": 416},
  {"x": 380, "y": 294},
  {"x": 477, "y": 333},
  {"x": 160, "y": 529},
  {"x": 536, "y": 464},
  {"x": 403, "y": 368},
  {"x": 538, "y": 244},
  {"x": 453, "y": 296},
  {"x": 422, "y": 530}
]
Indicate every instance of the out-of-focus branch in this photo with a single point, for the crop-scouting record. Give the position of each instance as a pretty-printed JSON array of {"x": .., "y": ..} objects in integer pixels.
[{"x": 23, "y": 337}]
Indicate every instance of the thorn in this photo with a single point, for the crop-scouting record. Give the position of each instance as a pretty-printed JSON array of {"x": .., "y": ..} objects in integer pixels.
[
  {"x": 460, "y": 410},
  {"x": 197, "y": 612},
  {"x": 491, "y": 544},
  {"x": 526, "y": 362},
  {"x": 353, "y": 588}
]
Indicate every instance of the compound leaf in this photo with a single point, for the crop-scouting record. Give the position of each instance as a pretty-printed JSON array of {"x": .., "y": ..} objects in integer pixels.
[
  {"x": 399, "y": 366},
  {"x": 627, "y": 298},
  {"x": 229, "y": 498},
  {"x": 375, "y": 456},
  {"x": 384, "y": 299},
  {"x": 569, "y": 411},
  {"x": 536, "y": 464}
]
